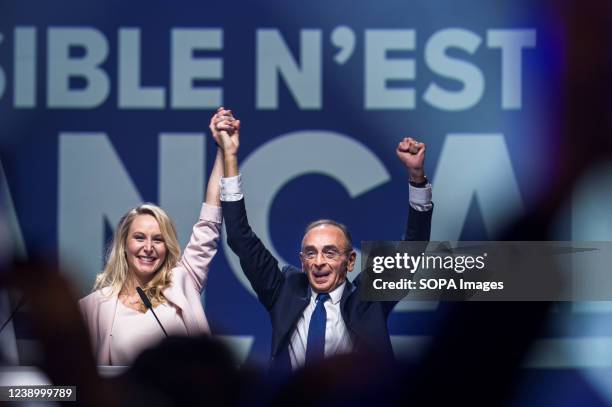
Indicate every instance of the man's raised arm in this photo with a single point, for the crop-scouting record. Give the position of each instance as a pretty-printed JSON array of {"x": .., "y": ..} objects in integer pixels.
[
  {"x": 412, "y": 154},
  {"x": 258, "y": 264}
]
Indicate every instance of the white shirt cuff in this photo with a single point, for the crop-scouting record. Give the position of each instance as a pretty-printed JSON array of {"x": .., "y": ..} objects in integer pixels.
[
  {"x": 420, "y": 198},
  {"x": 231, "y": 188}
]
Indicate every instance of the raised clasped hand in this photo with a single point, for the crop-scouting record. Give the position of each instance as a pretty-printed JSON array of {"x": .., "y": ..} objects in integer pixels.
[{"x": 225, "y": 130}]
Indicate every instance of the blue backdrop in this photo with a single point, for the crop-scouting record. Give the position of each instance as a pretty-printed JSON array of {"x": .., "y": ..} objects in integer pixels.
[{"x": 106, "y": 104}]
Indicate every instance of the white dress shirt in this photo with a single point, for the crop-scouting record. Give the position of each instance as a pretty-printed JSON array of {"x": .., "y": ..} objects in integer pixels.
[{"x": 337, "y": 338}]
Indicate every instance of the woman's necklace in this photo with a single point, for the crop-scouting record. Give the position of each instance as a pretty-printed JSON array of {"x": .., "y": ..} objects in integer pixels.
[{"x": 131, "y": 300}]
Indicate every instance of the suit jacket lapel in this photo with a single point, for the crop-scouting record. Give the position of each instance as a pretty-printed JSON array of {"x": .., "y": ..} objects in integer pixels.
[
  {"x": 348, "y": 289},
  {"x": 107, "y": 309},
  {"x": 293, "y": 310},
  {"x": 346, "y": 309}
]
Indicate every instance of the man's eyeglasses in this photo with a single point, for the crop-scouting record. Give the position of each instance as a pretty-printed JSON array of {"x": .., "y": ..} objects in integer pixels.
[{"x": 329, "y": 254}]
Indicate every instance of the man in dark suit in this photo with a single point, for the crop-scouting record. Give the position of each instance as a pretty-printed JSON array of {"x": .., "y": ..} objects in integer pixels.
[{"x": 315, "y": 311}]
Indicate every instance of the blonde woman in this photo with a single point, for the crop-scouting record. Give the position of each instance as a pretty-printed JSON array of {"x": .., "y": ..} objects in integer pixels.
[{"x": 145, "y": 253}]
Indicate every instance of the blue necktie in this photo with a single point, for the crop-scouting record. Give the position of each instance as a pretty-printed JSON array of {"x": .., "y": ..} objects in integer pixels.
[{"x": 315, "y": 345}]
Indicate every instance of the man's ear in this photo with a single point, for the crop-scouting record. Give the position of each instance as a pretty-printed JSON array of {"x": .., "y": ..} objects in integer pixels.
[
  {"x": 303, "y": 264},
  {"x": 350, "y": 263}
]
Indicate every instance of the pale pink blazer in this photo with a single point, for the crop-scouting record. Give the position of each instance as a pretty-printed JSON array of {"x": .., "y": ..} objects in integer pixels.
[{"x": 188, "y": 280}]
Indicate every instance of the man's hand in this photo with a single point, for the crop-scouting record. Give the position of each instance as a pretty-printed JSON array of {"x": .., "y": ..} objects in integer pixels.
[
  {"x": 225, "y": 130},
  {"x": 412, "y": 154}
]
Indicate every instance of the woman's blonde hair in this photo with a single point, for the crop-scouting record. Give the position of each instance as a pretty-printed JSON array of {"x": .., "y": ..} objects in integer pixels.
[{"x": 116, "y": 273}]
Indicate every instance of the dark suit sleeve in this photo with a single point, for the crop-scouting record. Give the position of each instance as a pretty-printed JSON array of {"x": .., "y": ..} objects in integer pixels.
[
  {"x": 418, "y": 229},
  {"x": 258, "y": 264}
]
